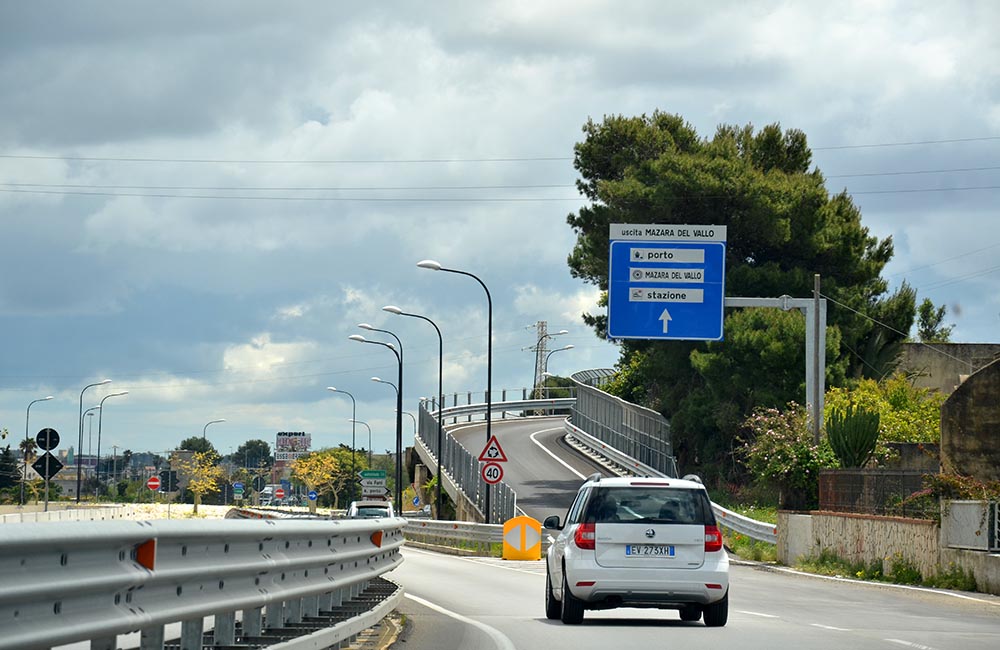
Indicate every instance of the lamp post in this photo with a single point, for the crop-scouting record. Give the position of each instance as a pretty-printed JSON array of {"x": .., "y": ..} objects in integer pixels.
[
  {"x": 100, "y": 419},
  {"x": 354, "y": 447},
  {"x": 435, "y": 266},
  {"x": 89, "y": 415},
  {"x": 369, "y": 440},
  {"x": 546, "y": 364},
  {"x": 79, "y": 472},
  {"x": 204, "y": 429},
  {"x": 24, "y": 453},
  {"x": 392, "y": 309},
  {"x": 414, "y": 422},
  {"x": 399, "y": 408}
]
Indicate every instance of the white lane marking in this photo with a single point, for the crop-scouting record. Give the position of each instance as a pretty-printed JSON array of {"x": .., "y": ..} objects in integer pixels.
[
  {"x": 910, "y": 644},
  {"x": 498, "y": 637},
  {"x": 758, "y": 614},
  {"x": 479, "y": 562},
  {"x": 830, "y": 627},
  {"x": 558, "y": 460}
]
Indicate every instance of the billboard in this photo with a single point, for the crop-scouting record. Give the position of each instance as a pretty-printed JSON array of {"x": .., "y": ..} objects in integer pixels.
[{"x": 289, "y": 445}]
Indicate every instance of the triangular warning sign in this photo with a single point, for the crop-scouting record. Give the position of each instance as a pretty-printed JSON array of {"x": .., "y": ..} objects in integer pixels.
[{"x": 493, "y": 452}]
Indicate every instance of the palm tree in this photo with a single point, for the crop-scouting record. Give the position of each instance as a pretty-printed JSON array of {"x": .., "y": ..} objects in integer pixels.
[{"x": 28, "y": 450}]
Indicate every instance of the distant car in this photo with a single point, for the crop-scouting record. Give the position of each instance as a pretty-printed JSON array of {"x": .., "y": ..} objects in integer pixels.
[
  {"x": 638, "y": 542},
  {"x": 369, "y": 509}
]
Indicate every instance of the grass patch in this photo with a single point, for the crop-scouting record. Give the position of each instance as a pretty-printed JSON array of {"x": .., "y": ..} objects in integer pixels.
[
  {"x": 748, "y": 548},
  {"x": 899, "y": 571}
]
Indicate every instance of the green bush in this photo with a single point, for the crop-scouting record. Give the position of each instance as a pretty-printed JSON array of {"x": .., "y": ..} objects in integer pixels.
[{"x": 853, "y": 434}]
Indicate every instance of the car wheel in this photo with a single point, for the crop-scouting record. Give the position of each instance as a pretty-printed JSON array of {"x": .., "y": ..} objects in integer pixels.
[
  {"x": 691, "y": 613},
  {"x": 552, "y": 606},
  {"x": 717, "y": 613},
  {"x": 571, "y": 611}
]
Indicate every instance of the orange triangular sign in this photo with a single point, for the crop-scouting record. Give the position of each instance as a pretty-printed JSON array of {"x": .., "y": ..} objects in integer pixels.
[{"x": 493, "y": 452}]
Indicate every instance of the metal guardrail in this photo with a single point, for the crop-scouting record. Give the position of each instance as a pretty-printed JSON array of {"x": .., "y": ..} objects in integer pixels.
[
  {"x": 759, "y": 530},
  {"x": 78, "y": 582},
  {"x": 476, "y": 538}
]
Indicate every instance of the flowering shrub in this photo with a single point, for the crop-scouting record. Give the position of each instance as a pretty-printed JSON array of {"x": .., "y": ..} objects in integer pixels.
[
  {"x": 778, "y": 448},
  {"x": 907, "y": 413}
]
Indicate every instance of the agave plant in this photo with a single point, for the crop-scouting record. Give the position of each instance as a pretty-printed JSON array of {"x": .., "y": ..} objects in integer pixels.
[{"x": 853, "y": 434}]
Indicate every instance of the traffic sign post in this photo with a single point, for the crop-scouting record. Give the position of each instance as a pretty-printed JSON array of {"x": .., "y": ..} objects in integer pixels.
[{"x": 666, "y": 282}]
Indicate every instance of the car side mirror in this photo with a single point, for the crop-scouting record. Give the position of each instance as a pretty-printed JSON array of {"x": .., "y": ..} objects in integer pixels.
[{"x": 552, "y": 523}]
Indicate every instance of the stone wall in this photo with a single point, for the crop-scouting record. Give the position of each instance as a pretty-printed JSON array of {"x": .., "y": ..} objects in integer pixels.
[
  {"x": 859, "y": 538},
  {"x": 970, "y": 426}
]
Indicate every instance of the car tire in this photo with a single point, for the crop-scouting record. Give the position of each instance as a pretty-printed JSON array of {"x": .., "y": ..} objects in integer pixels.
[
  {"x": 692, "y": 613},
  {"x": 553, "y": 607},
  {"x": 717, "y": 613},
  {"x": 571, "y": 611}
]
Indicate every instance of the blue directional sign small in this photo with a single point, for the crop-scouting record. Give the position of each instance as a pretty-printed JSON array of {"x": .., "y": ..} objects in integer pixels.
[
  {"x": 666, "y": 282},
  {"x": 312, "y": 495}
]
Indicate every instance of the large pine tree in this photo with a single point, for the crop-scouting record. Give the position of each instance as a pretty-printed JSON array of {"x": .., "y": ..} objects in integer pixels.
[{"x": 783, "y": 226}]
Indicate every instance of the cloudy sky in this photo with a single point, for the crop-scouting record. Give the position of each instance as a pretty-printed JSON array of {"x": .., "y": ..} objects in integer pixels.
[{"x": 201, "y": 201}]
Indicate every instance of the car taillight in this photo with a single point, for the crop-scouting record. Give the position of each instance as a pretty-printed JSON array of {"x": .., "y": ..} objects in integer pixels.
[
  {"x": 584, "y": 537},
  {"x": 713, "y": 539}
]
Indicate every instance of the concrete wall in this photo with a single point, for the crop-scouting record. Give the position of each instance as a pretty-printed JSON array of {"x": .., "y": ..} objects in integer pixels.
[
  {"x": 944, "y": 372},
  {"x": 970, "y": 426}
]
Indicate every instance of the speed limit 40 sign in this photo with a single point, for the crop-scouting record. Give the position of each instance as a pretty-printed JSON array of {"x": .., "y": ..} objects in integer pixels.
[{"x": 492, "y": 473}]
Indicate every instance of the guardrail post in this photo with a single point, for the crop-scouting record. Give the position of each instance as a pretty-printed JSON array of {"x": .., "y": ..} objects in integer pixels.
[
  {"x": 310, "y": 607},
  {"x": 253, "y": 621},
  {"x": 191, "y": 634},
  {"x": 224, "y": 632},
  {"x": 294, "y": 611},
  {"x": 152, "y": 638},
  {"x": 275, "y": 617},
  {"x": 336, "y": 598},
  {"x": 469, "y": 402}
]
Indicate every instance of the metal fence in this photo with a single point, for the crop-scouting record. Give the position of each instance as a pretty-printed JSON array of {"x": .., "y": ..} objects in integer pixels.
[
  {"x": 463, "y": 467},
  {"x": 877, "y": 492},
  {"x": 639, "y": 432}
]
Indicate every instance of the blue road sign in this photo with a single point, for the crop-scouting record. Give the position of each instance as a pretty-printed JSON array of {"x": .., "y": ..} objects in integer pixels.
[
  {"x": 666, "y": 282},
  {"x": 237, "y": 486},
  {"x": 312, "y": 495}
]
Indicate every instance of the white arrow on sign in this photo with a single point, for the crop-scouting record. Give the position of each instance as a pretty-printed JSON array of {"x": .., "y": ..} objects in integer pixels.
[
  {"x": 374, "y": 492},
  {"x": 665, "y": 317},
  {"x": 372, "y": 482}
]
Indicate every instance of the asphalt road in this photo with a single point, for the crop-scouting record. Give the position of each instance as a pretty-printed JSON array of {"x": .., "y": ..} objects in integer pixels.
[
  {"x": 473, "y": 603},
  {"x": 544, "y": 471}
]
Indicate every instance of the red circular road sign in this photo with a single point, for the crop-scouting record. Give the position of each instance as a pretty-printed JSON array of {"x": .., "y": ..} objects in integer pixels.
[
  {"x": 153, "y": 483},
  {"x": 279, "y": 493},
  {"x": 492, "y": 473}
]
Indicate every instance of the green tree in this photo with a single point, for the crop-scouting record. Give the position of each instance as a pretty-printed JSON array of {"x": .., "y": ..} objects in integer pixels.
[
  {"x": 253, "y": 453},
  {"x": 783, "y": 227},
  {"x": 202, "y": 471},
  {"x": 199, "y": 444},
  {"x": 9, "y": 472},
  {"x": 930, "y": 323}
]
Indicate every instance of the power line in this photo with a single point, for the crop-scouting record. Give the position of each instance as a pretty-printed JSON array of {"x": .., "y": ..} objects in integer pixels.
[
  {"x": 406, "y": 161},
  {"x": 208, "y": 188},
  {"x": 908, "y": 173},
  {"x": 338, "y": 199}
]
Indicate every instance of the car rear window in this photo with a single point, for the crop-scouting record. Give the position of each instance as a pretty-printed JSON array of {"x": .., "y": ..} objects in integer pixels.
[
  {"x": 373, "y": 512},
  {"x": 649, "y": 505}
]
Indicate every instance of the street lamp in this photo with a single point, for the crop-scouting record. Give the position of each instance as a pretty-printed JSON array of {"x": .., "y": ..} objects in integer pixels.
[
  {"x": 24, "y": 453},
  {"x": 414, "y": 422},
  {"x": 204, "y": 429},
  {"x": 399, "y": 406},
  {"x": 100, "y": 419},
  {"x": 79, "y": 473},
  {"x": 392, "y": 309},
  {"x": 89, "y": 415},
  {"x": 369, "y": 440},
  {"x": 546, "y": 364},
  {"x": 435, "y": 266},
  {"x": 354, "y": 414}
]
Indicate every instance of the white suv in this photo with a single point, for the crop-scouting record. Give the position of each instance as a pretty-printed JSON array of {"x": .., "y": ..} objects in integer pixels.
[{"x": 638, "y": 542}]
